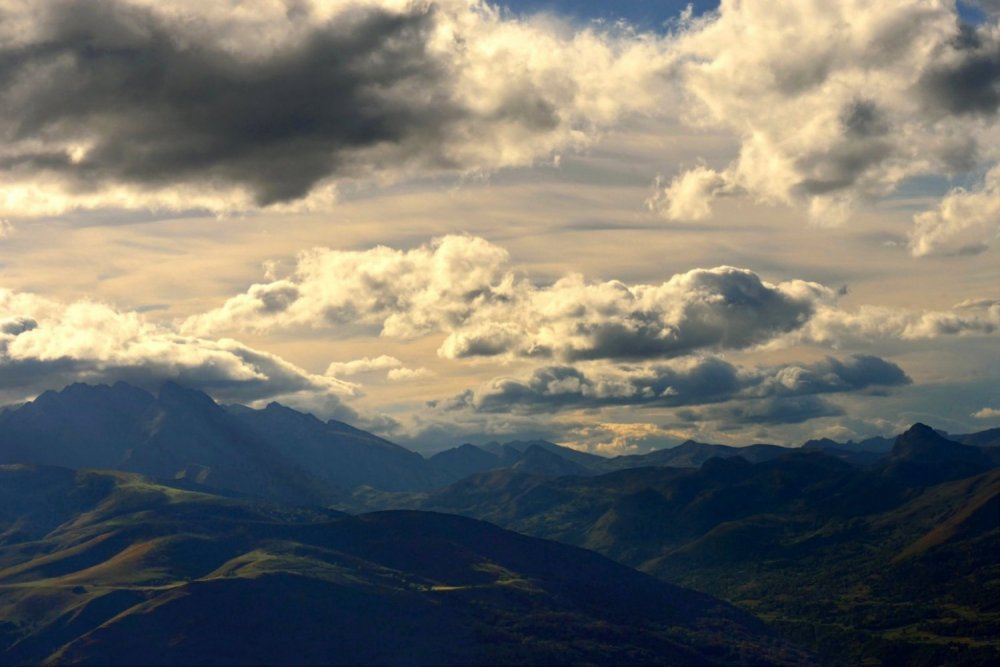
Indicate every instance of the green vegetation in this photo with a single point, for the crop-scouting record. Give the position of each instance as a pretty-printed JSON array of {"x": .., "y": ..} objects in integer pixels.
[
  {"x": 109, "y": 568},
  {"x": 896, "y": 564}
]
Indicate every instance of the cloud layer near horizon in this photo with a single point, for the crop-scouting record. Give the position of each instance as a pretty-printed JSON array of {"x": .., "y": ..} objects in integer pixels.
[
  {"x": 45, "y": 345},
  {"x": 694, "y": 381}
]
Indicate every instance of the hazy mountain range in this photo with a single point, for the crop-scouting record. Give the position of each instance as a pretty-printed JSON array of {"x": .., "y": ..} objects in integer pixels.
[
  {"x": 286, "y": 455},
  {"x": 169, "y": 529}
]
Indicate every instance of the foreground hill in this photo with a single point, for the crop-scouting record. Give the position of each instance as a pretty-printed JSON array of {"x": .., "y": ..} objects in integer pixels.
[
  {"x": 894, "y": 563},
  {"x": 109, "y": 568}
]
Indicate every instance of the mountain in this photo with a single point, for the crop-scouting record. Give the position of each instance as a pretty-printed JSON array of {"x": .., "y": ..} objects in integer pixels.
[
  {"x": 692, "y": 454},
  {"x": 464, "y": 460},
  {"x": 893, "y": 563},
  {"x": 537, "y": 460},
  {"x": 988, "y": 438},
  {"x": 532, "y": 456},
  {"x": 112, "y": 568},
  {"x": 582, "y": 459},
  {"x": 277, "y": 453},
  {"x": 922, "y": 456},
  {"x": 293, "y": 457},
  {"x": 337, "y": 453}
]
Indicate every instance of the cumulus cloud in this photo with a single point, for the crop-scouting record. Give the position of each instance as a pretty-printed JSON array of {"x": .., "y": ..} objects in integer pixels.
[
  {"x": 463, "y": 286},
  {"x": 693, "y": 381},
  {"x": 987, "y": 413},
  {"x": 396, "y": 371},
  {"x": 616, "y": 439},
  {"x": 689, "y": 196},
  {"x": 401, "y": 293},
  {"x": 238, "y": 104},
  {"x": 407, "y": 374},
  {"x": 365, "y": 365},
  {"x": 964, "y": 222},
  {"x": 834, "y": 326},
  {"x": 46, "y": 344},
  {"x": 837, "y": 102}
]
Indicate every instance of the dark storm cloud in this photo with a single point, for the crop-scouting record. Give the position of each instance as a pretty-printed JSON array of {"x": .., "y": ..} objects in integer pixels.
[
  {"x": 968, "y": 82},
  {"x": 160, "y": 106},
  {"x": 703, "y": 381},
  {"x": 794, "y": 410}
]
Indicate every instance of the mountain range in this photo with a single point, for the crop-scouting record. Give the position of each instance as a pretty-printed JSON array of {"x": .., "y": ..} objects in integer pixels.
[
  {"x": 126, "y": 515},
  {"x": 289, "y": 456},
  {"x": 893, "y": 563}
]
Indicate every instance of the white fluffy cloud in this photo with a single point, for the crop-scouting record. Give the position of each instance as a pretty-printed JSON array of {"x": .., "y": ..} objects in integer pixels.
[
  {"x": 46, "y": 344},
  {"x": 401, "y": 293},
  {"x": 396, "y": 370},
  {"x": 237, "y": 104},
  {"x": 462, "y": 286},
  {"x": 836, "y": 327},
  {"x": 839, "y": 101},
  {"x": 964, "y": 221}
]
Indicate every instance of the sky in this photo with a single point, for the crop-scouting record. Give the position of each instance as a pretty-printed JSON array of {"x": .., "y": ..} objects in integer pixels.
[{"x": 615, "y": 226}]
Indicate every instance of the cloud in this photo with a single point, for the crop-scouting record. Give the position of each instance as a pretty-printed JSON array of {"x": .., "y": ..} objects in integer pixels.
[
  {"x": 964, "y": 222},
  {"x": 396, "y": 371},
  {"x": 689, "y": 196},
  {"x": 836, "y": 327},
  {"x": 775, "y": 410},
  {"x": 989, "y": 6},
  {"x": 365, "y": 365},
  {"x": 693, "y": 381},
  {"x": 462, "y": 286},
  {"x": 617, "y": 439},
  {"x": 838, "y": 102},
  {"x": 400, "y": 293},
  {"x": 45, "y": 344},
  {"x": 407, "y": 374},
  {"x": 987, "y": 413},
  {"x": 235, "y": 105}
]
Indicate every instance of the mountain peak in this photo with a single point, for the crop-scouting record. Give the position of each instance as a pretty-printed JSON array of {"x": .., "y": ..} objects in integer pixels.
[
  {"x": 173, "y": 394},
  {"x": 922, "y": 444},
  {"x": 919, "y": 428},
  {"x": 918, "y": 440}
]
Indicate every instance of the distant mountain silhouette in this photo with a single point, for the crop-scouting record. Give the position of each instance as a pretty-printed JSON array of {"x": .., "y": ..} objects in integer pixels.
[
  {"x": 289, "y": 456},
  {"x": 692, "y": 454},
  {"x": 988, "y": 438},
  {"x": 276, "y": 453},
  {"x": 922, "y": 456},
  {"x": 110, "y": 568},
  {"x": 533, "y": 456}
]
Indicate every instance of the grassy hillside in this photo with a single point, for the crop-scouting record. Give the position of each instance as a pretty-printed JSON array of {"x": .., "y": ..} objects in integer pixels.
[
  {"x": 895, "y": 564},
  {"x": 109, "y": 568}
]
